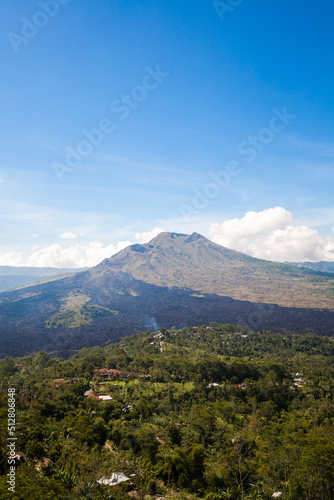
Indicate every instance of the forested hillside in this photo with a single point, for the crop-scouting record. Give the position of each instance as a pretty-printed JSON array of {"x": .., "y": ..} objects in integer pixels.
[
  {"x": 322, "y": 266},
  {"x": 213, "y": 412}
]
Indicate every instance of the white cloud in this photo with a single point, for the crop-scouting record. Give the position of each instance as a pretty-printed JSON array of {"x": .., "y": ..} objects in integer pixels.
[
  {"x": 68, "y": 236},
  {"x": 74, "y": 255},
  {"x": 271, "y": 235},
  {"x": 293, "y": 243},
  {"x": 235, "y": 232},
  {"x": 11, "y": 259},
  {"x": 148, "y": 236},
  {"x": 57, "y": 256}
]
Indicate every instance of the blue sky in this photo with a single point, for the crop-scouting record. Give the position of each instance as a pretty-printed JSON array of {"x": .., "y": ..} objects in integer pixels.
[{"x": 202, "y": 86}]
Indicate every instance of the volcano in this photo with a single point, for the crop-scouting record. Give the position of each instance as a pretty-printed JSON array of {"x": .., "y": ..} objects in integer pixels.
[{"x": 174, "y": 280}]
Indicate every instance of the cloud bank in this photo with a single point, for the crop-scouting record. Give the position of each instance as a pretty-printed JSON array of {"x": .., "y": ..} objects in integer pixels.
[
  {"x": 272, "y": 235},
  {"x": 72, "y": 256},
  {"x": 56, "y": 255}
]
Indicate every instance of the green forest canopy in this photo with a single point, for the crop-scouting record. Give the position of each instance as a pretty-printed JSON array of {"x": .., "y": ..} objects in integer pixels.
[{"x": 218, "y": 412}]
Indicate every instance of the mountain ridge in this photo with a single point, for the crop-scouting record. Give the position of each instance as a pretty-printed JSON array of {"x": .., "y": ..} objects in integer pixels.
[
  {"x": 321, "y": 266},
  {"x": 12, "y": 276}
]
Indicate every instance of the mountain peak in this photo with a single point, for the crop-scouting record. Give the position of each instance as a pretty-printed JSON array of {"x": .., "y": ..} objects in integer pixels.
[
  {"x": 196, "y": 237},
  {"x": 172, "y": 243},
  {"x": 166, "y": 237}
]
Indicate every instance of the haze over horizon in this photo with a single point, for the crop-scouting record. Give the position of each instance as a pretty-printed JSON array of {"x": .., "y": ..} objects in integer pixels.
[{"x": 125, "y": 119}]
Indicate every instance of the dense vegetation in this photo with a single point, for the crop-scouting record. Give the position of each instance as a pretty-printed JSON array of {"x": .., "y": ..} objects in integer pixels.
[
  {"x": 218, "y": 413},
  {"x": 78, "y": 316}
]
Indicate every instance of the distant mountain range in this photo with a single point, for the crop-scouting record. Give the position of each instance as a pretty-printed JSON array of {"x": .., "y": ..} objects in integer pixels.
[
  {"x": 175, "y": 279},
  {"x": 11, "y": 277},
  {"x": 322, "y": 266}
]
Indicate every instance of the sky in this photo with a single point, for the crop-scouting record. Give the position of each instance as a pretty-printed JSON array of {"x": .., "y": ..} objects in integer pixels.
[{"x": 124, "y": 118}]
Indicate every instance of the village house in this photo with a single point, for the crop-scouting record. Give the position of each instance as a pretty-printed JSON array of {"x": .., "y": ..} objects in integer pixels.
[
  {"x": 115, "y": 478},
  {"x": 100, "y": 397},
  {"x": 159, "y": 336},
  {"x": 104, "y": 372},
  {"x": 101, "y": 372}
]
